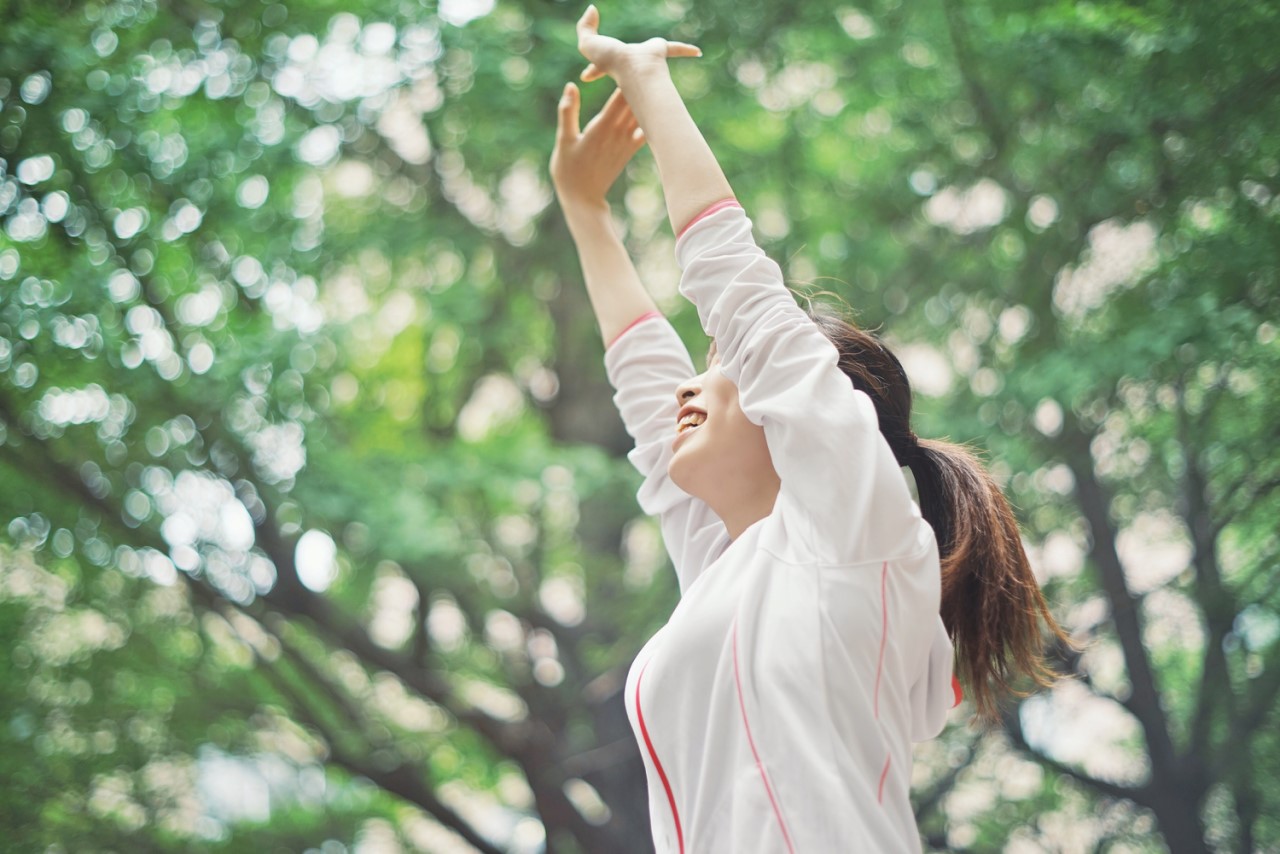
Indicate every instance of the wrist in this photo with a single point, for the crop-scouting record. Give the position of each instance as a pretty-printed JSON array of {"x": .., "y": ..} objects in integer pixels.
[
  {"x": 639, "y": 71},
  {"x": 588, "y": 221},
  {"x": 583, "y": 208}
]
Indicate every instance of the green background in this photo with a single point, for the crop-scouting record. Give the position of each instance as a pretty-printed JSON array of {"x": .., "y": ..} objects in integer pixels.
[{"x": 316, "y": 530}]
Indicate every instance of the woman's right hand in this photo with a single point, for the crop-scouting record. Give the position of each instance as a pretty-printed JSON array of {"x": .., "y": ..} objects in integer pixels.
[{"x": 586, "y": 162}]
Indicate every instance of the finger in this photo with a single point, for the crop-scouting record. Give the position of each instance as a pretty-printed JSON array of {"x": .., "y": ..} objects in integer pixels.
[
  {"x": 683, "y": 49},
  {"x": 591, "y": 72},
  {"x": 637, "y": 137},
  {"x": 628, "y": 122},
  {"x": 589, "y": 23},
  {"x": 615, "y": 109},
  {"x": 569, "y": 106}
]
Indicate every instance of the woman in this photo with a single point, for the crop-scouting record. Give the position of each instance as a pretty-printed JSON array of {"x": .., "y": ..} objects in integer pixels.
[{"x": 776, "y": 708}]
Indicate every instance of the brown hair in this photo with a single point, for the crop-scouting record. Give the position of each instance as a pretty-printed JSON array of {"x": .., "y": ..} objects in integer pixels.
[{"x": 991, "y": 604}]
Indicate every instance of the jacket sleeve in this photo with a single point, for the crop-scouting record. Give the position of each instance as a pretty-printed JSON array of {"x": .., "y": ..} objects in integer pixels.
[
  {"x": 935, "y": 691},
  {"x": 823, "y": 434},
  {"x": 645, "y": 364}
]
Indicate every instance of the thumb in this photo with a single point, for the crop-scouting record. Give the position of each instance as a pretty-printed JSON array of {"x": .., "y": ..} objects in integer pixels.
[{"x": 589, "y": 23}]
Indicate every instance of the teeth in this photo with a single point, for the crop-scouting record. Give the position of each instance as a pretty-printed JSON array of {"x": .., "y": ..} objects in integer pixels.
[{"x": 693, "y": 419}]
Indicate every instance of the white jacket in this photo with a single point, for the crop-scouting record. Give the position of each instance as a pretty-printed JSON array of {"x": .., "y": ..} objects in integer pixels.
[{"x": 776, "y": 708}]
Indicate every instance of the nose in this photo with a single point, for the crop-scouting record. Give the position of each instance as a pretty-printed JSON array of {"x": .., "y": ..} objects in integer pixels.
[{"x": 688, "y": 390}]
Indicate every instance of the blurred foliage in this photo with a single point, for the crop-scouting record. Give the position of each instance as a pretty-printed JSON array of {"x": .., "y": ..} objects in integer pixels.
[{"x": 317, "y": 530}]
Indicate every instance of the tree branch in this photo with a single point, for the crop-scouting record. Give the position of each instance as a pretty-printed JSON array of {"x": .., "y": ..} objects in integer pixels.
[
  {"x": 289, "y": 597},
  {"x": 1216, "y": 602},
  {"x": 1256, "y": 708},
  {"x": 297, "y": 601},
  {"x": 978, "y": 93},
  {"x": 403, "y": 780},
  {"x": 1095, "y": 502},
  {"x": 1013, "y": 726},
  {"x": 1253, "y": 490},
  {"x": 929, "y": 800}
]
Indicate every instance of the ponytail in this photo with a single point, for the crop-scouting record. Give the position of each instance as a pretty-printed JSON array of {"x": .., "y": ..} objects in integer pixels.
[{"x": 992, "y": 606}]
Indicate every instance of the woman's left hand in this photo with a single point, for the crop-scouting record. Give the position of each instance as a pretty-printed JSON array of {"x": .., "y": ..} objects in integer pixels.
[{"x": 617, "y": 59}]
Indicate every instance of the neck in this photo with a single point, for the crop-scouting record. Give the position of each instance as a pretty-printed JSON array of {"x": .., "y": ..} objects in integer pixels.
[{"x": 745, "y": 507}]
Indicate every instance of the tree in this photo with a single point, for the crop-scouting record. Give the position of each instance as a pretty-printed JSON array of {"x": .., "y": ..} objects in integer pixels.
[{"x": 301, "y": 403}]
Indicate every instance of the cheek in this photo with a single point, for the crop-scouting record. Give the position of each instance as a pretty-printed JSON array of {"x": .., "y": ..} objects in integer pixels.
[
  {"x": 722, "y": 396},
  {"x": 729, "y": 410},
  {"x": 749, "y": 441},
  {"x": 745, "y": 436},
  {"x": 732, "y": 427}
]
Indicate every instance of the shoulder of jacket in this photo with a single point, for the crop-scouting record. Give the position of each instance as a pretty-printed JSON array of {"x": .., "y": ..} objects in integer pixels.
[{"x": 802, "y": 544}]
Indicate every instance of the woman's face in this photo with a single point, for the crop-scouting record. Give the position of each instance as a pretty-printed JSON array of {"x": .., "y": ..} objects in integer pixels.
[{"x": 724, "y": 457}]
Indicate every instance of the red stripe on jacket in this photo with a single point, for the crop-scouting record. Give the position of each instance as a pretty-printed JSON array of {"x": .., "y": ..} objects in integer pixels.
[
  {"x": 786, "y": 837},
  {"x": 720, "y": 205},
  {"x": 653, "y": 754}
]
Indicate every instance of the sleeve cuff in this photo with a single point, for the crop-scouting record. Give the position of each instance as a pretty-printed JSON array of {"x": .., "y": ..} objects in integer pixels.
[
  {"x": 641, "y": 319},
  {"x": 720, "y": 205}
]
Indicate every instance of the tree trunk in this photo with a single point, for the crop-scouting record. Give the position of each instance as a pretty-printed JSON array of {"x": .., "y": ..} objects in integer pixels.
[{"x": 1178, "y": 815}]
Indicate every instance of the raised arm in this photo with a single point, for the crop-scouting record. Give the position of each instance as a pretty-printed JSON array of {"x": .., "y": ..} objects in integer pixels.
[
  {"x": 584, "y": 166},
  {"x": 692, "y": 180},
  {"x": 823, "y": 435},
  {"x": 644, "y": 357}
]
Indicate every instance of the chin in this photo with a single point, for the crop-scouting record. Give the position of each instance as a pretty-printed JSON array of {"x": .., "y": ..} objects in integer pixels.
[{"x": 679, "y": 472}]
